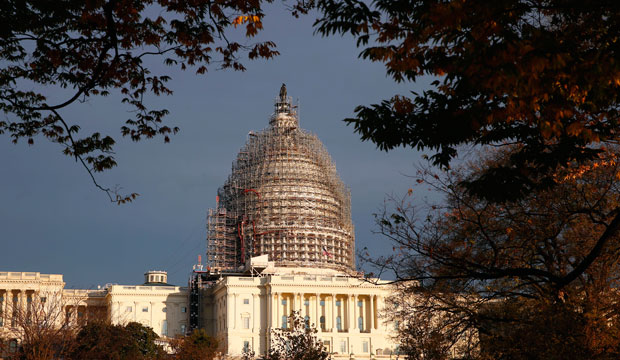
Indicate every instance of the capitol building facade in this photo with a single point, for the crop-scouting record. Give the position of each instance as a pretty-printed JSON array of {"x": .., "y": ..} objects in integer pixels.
[{"x": 279, "y": 240}]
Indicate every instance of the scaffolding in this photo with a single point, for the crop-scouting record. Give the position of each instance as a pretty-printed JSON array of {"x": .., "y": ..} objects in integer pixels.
[{"x": 283, "y": 198}]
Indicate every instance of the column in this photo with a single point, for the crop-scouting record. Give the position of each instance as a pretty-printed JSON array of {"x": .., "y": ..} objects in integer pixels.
[
  {"x": 355, "y": 311},
  {"x": 2, "y": 306},
  {"x": 17, "y": 305},
  {"x": 151, "y": 310},
  {"x": 318, "y": 313},
  {"x": 274, "y": 310},
  {"x": 229, "y": 311},
  {"x": 278, "y": 306},
  {"x": 363, "y": 315},
  {"x": 235, "y": 315},
  {"x": 372, "y": 312},
  {"x": 333, "y": 312},
  {"x": 379, "y": 309},
  {"x": 255, "y": 313},
  {"x": 269, "y": 300},
  {"x": 348, "y": 313}
]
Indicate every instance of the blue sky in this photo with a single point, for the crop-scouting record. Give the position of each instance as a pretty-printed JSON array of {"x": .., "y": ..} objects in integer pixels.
[{"x": 53, "y": 220}]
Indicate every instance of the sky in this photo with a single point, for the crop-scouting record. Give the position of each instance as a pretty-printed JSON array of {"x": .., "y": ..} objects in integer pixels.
[{"x": 54, "y": 220}]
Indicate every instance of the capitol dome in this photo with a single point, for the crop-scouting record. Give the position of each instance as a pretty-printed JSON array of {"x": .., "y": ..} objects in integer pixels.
[{"x": 283, "y": 199}]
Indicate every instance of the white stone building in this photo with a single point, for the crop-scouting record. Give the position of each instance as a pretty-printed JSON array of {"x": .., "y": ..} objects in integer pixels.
[
  {"x": 242, "y": 310},
  {"x": 155, "y": 304}
]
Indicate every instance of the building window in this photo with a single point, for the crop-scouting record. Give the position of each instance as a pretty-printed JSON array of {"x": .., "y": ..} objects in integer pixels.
[
  {"x": 322, "y": 303},
  {"x": 307, "y": 321},
  {"x": 164, "y": 328},
  {"x": 183, "y": 309},
  {"x": 322, "y": 321},
  {"x": 183, "y": 329},
  {"x": 164, "y": 310},
  {"x": 246, "y": 346},
  {"x": 246, "y": 301},
  {"x": 284, "y": 321},
  {"x": 343, "y": 346},
  {"x": 306, "y": 302},
  {"x": 338, "y": 323},
  {"x": 338, "y": 303},
  {"x": 360, "y": 303},
  {"x": 145, "y": 309},
  {"x": 128, "y": 309},
  {"x": 327, "y": 346},
  {"x": 246, "y": 322},
  {"x": 13, "y": 346},
  {"x": 360, "y": 323},
  {"x": 365, "y": 346},
  {"x": 283, "y": 301}
]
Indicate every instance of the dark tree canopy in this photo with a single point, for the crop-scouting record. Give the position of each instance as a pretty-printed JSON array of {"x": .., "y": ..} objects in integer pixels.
[
  {"x": 101, "y": 340},
  {"x": 96, "y": 47},
  {"x": 198, "y": 345},
  {"x": 541, "y": 73},
  {"x": 475, "y": 270}
]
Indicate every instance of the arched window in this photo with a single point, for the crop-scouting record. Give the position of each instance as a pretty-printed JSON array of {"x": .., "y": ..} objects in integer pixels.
[
  {"x": 13, "y": 346},
  {"x": 338, "y": 323}
]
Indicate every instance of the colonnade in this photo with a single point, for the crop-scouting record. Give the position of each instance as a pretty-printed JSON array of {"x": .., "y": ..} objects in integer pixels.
[
  {"x": 12, "y": 302},
  {"x": 328, "y": 312}
]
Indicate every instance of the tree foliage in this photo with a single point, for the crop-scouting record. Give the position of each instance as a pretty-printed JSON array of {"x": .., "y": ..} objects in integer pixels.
[
  {"x": 101, "y": 340},
  {"x": 560, "y": 330},
  {"x": 540, "y": 73},
  {"x": 48, "y": 327},
  {"x": 297, "y": 342},
  {"x": 497, "y": 273},
  {"x": 40, "y": 327},
  {"x": 82, "y": 49},
  {"x": 198, "y": 345}
]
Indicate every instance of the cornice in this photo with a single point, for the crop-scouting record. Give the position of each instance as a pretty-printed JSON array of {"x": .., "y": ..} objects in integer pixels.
[{"x": 146, "y": 294}]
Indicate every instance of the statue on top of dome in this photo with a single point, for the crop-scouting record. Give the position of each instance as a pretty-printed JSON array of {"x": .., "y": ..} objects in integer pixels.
[{"x": 283, "y": 93}]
